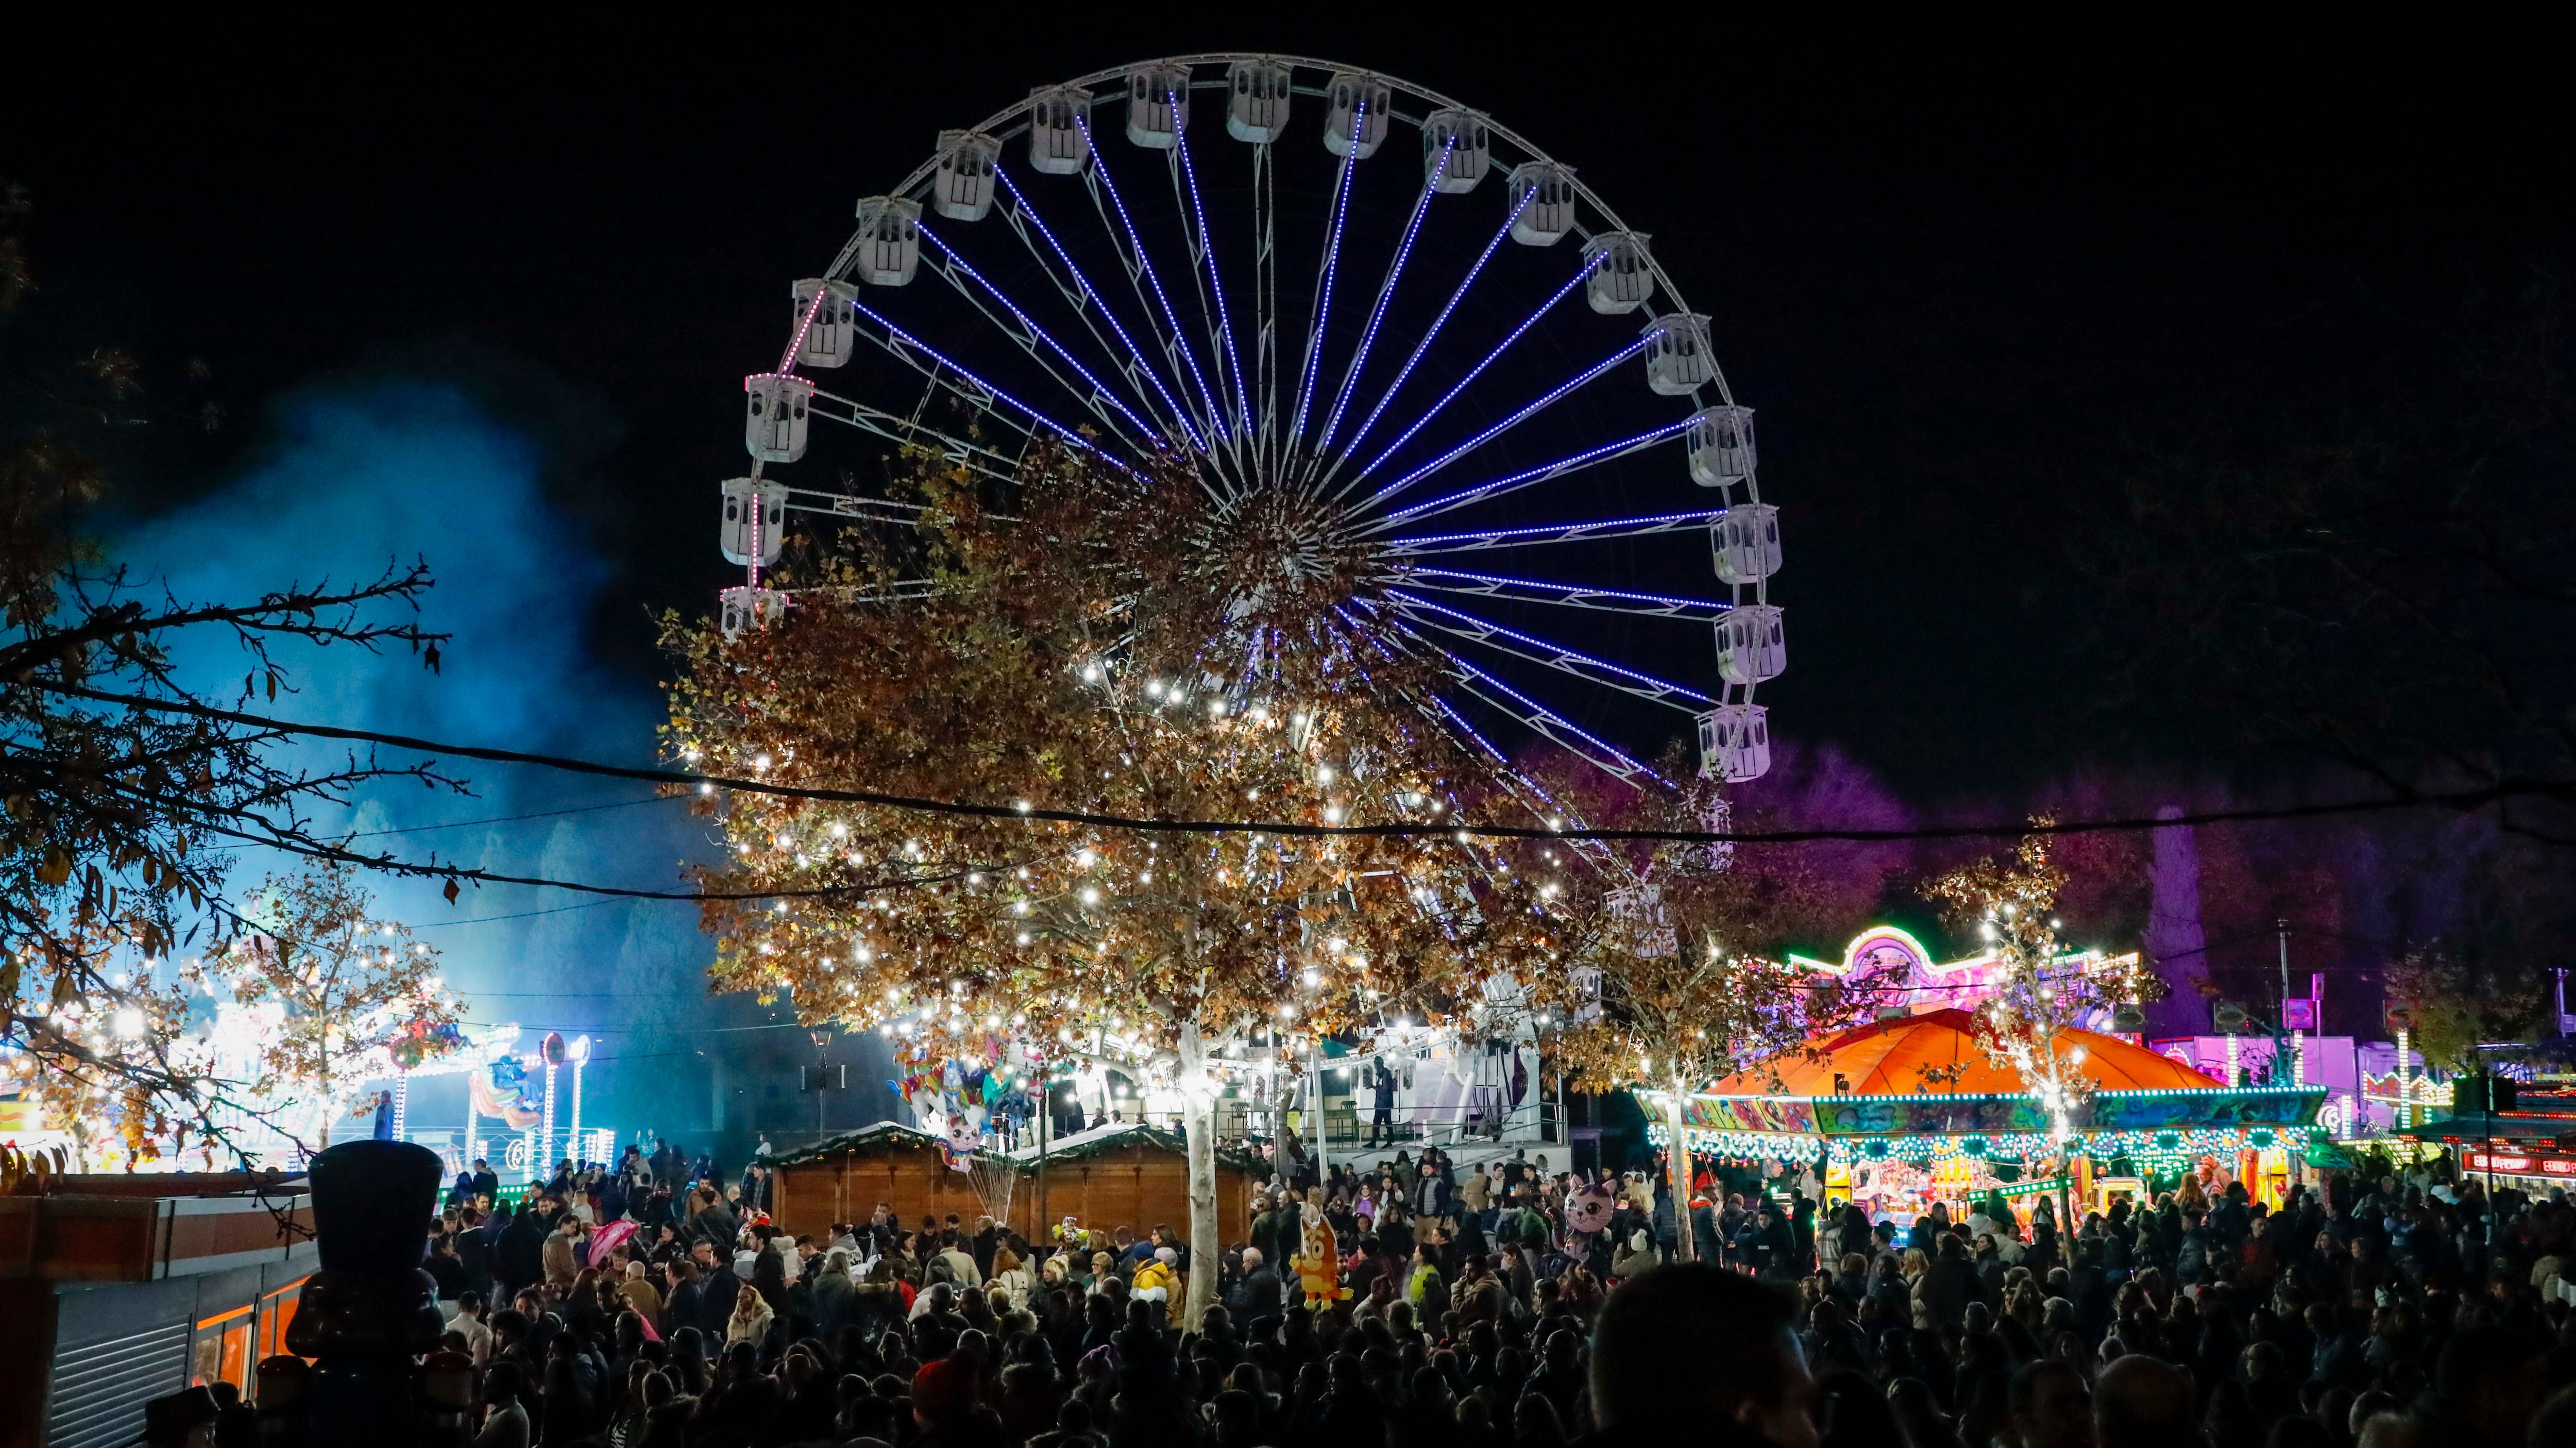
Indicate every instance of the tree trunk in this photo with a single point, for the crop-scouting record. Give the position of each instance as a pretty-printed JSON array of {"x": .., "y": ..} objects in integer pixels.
[
  {"x": 1678, "y": 1160},
  {"x": 1198, "y": 1115}
]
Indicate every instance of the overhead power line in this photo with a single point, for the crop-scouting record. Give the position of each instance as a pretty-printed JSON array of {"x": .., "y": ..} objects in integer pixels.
[{"x": 2455, "y": 800}]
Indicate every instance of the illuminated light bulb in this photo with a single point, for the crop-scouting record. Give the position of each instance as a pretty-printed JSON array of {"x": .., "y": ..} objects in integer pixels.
[
  {"x": 1085, "y": 859},
  {"x": 1146, "y": 878},
  {"x": 760, "y": 761},
  {"x": 1324, "y": 774},
  {"x": 1153, "y": 688},
  {"x": 1024, "y": 937},
  {"x": 975, "y": 877},
  {"x": 1091, "y": 673},
  {"x": 1332, "y": 814},
  {"x": 1312, "y": 978},
  {"x": 1090, "y": 896},
  {"x": 1022, "y": 806}
]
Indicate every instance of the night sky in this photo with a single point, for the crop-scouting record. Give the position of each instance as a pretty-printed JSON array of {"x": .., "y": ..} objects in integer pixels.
[
  {"x": 1967, "y": 272},
  {"x": 1971, "y": 272}
]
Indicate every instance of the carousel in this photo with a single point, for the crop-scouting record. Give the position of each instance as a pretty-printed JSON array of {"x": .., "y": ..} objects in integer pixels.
[{"x": 1912, "y": 1110}]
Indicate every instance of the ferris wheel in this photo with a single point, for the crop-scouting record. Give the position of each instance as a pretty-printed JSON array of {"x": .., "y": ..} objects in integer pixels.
[{"x": 1337, "y": 295}]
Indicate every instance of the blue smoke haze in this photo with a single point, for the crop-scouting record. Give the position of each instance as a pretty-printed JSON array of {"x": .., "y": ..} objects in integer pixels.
[{"x": 360, "y": 476}]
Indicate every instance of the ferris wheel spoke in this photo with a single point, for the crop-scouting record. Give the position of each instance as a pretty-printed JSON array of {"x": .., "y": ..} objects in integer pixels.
[
  {"x": 1492, "y": 538},
  {"x": 912, "y": 351},
  {"x": 1567, "y": 595},
  {"x": 1088, "y": 303},
  {"x": 1543, "y": 721},
  {"x": 1429, "y": 335},
  {"x": 1324, "y": 274},
  {"x": 1377, "y": 311},
  {"x": 910, "y": 433},
  {"x": 1556, "y": 656},
  {"x": 1529, "y": 477},
  {"x": 1142, "y": 278},
  {"x": 1265, "y": 302},
  {"x": 1034, "y": 340},
  {"x": 1543, "y": 402},
  {"x": 1488, "y": 360},
  {"x": 1204, "y": 276}
]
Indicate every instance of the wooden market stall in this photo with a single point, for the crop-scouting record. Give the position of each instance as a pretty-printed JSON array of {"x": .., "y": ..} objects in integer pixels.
[
  {"x": 1132, "y": 1176},
  {"x": 843, "y": 1178},
  {"x": 1910, "y": 1110},
  {"x": 1111, "y": 1176}
]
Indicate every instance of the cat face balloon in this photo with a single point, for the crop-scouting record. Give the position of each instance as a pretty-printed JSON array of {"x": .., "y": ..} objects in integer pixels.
[
  {"x": 1589, "y": 1210},
  {"x": 965, "y": 1131}
]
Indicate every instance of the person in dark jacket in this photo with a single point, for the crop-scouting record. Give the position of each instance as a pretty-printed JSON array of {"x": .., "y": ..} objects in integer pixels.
[
  {"x": 474, "y": 1239},
  {"x": 1256, "y": 1294},
  {"x": 519, "y": 1257},
  {"x": 719, "y": 1288},
  {"x": 1381, "y": 1103}
]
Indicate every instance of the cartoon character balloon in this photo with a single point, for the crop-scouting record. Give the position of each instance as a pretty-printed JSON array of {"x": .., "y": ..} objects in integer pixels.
[{"x": 1588, "y": 1210}]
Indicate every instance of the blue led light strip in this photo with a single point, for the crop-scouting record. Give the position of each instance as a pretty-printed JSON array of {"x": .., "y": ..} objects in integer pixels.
[
  {"x": 1180, "y": 414},
  {"x": 1224, "y": 320},
  {"x": 1038, "y": 332},
  {"x": 1489, "y": 626},
  {"x": 1479, "y": 676},
  {"x": 1538, "y": 474},
  {"x": 1451, "y": 395},
  {"x": 1425, "y": 344},
  {"x": 1540, "y": 585},
  {"x": 1552, "y": 533},
  {"x": 1180, "y": 339},
  {"x": 1385, "y": 294},
  {"x": 1324, "y": 301},
  {"x": 1545, "y": 400},
  {"x": 909, "y": 340}
]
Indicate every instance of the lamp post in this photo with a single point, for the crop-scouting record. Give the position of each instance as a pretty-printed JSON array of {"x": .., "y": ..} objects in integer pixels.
[
  {"x": 538, "y": 1166},
  {"x": 579, "y": 1052}
]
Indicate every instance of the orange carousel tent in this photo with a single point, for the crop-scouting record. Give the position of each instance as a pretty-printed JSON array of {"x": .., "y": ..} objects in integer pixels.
[{"x": 1937, "y": 1052}]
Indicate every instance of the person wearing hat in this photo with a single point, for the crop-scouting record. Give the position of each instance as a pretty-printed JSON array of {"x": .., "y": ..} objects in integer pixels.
[{"x": 1154, "y": 1279}]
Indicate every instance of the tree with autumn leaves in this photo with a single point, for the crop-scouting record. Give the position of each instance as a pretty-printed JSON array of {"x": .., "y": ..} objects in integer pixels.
[
  {"x": 1117, "y": 645},
  {"x": 125, "y": 798},
  {"x": 347, "y": 983},
  {"x": 2037, "y": 995},
  {"x": 1693, "y": 981}
]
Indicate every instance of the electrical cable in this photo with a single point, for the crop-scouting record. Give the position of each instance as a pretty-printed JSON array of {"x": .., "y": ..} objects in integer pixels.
[{"x": 2457, "y": 800}]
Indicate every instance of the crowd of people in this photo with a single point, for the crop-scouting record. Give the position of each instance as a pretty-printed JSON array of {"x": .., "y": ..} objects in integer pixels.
[{"x": 1499, "y": 1305}]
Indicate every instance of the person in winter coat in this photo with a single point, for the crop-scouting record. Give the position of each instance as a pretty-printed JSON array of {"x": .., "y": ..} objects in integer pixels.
[
  {"x": 560, "y": 1255},
  {"x": 519, "y": 1255},
  {"x": 750, "y": 1319},
  {"x": 1381, "y": 1103}
]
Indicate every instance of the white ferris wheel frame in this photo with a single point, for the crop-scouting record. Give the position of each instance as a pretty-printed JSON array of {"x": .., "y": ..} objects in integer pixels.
[{"x": 1211, "y": 418}]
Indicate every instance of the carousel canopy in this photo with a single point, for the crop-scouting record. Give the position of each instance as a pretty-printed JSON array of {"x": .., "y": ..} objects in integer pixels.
[{"x": 1937, "y": 1052}]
